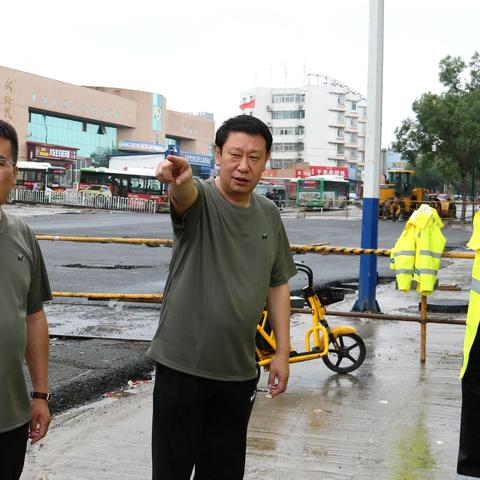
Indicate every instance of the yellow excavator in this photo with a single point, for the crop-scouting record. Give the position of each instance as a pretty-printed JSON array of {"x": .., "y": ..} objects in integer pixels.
[{"x": 398, "y": 198}]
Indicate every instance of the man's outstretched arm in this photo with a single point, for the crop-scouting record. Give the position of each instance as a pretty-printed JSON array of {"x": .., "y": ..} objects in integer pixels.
[{"x": 176, "y": 171}]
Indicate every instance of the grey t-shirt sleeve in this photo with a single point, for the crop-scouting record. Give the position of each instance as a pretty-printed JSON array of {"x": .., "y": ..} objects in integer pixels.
[
  {"x": 284, "y": 266},
  {"x": 39, "y": 291}
]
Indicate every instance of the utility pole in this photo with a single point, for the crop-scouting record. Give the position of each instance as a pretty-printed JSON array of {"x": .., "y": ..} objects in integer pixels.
[{"x": 371, "y": 181}]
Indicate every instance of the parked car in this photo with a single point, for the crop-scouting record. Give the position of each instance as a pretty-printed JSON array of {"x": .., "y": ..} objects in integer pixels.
[{"x": 102, "y": 190}]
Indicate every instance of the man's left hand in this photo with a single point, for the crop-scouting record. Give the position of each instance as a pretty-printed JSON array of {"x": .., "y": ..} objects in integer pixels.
[
  {"x": 40, "y": 420},
  {"x": 278, "y": 377}
]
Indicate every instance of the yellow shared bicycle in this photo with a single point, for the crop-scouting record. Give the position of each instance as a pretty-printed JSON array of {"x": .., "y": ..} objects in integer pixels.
[{"x": 341, "y": 348}]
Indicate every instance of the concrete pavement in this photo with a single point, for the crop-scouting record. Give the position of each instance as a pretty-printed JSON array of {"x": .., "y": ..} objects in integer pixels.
[{"x": 393, "y": 418}]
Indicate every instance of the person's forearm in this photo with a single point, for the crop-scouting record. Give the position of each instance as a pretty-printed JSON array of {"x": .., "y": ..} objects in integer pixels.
[
  {"x": 278, "y": 304},
  {"x": 36, "y": 354},
  {"x": 183, "y": 196}
]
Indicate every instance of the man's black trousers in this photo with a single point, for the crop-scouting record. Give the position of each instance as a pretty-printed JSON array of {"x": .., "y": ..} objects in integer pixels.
[
  {"x": 199, "y": 422},
  {"x": 469, "y": 451},
  {"x": 13, "y": 445}
]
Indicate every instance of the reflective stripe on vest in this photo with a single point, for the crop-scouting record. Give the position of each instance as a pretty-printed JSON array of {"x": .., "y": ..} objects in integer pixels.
[
  {"x": 430, "y": 253},
  {"x": 406, "y": 253},
  {"x": 426, "y": 271}
]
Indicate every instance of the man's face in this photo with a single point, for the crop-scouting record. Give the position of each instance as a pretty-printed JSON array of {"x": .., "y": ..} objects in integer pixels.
[
  {"x": 8, "y": 172},
  {"x": 241, "y": 162}
]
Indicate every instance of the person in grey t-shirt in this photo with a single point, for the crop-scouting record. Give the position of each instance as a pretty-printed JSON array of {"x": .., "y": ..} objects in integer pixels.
[
  {"x": 24, "y": 287},
  {"x": 230, "y": 256}
]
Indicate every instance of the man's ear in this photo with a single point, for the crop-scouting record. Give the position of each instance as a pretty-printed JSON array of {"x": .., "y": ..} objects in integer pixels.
[{"x": 218, "y": 154}]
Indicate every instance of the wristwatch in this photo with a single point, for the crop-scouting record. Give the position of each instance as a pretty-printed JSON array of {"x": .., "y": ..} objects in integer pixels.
[{"x": 41, "y": 395}]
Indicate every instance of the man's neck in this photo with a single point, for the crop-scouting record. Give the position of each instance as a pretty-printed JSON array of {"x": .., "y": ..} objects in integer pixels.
[{"x": 243, "y": 201}]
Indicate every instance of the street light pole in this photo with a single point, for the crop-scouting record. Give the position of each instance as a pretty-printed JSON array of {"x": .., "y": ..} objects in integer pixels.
[{"x": 371, "y": 181}]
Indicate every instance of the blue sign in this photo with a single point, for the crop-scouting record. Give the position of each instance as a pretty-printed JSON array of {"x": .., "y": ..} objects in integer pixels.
[{"x": 197, "y": 158}]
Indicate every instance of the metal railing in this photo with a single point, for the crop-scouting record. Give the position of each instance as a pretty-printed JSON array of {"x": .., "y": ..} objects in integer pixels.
[{"x": 79, "y": 199}]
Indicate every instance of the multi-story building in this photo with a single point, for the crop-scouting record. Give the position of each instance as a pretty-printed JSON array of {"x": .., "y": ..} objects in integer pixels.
[
  {"x": 69, "y": 125},
  {"x": 315, "y": 125}
]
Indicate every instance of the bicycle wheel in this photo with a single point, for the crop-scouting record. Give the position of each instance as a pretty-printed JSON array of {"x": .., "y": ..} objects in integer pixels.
[{"x": 350, "y": 355}]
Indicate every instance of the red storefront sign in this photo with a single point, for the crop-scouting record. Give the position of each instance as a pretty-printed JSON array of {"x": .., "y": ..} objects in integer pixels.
[
  {"x": 323, "y": 170},
  {"x": 45, "y": 151}
]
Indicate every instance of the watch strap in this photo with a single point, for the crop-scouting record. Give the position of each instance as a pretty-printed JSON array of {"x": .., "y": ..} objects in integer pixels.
[{"x": 41, "y": 395}]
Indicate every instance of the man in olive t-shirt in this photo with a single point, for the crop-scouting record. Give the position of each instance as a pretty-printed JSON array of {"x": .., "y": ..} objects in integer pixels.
[
  {"x": 230, "y": 256},
  {"x": 24, "y": 287}
]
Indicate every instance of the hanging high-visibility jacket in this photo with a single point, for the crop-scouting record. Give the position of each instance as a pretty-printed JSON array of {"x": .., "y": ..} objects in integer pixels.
[
  {"x": 430, "y": 243},
  {"x": 473, "y": 315},
  {"x": 402, "y": 257},
  {"x": 418, "y": 251}
]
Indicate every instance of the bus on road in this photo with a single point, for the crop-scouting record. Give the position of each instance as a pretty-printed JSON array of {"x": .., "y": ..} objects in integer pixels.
[
  {"x": 132, "y": 183},
  {"x": 322, "y": 192},
  {"x": 41, "y": 176}
]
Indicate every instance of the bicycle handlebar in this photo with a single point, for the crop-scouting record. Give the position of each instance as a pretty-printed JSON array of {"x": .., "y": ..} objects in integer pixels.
[{"x": 307, "y": 270}]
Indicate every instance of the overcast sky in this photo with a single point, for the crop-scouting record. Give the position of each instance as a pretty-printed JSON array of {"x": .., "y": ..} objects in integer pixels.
[{"x": 201, "y": 54}]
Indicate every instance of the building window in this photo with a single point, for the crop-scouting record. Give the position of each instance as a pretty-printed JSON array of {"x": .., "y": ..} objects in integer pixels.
[
  {"x": 340, "y": 133},
  {"x": 34, "y": 97},
  {"x": 289, "y": 131},
  {"x": 340, "y": 149},
  {"x": 288, "y": 115},
  {"x": 340, "y": 117},
  {"x": 353, "y": 122},
  {"x": 353, "y": 138},
  {"x": 44, "y": 100},
  {"x": 288, "y": 98},
  {"x": 341, "y": 99},
  {"x": 87, "y": 137},
  {"x": 354, "y": 106}
]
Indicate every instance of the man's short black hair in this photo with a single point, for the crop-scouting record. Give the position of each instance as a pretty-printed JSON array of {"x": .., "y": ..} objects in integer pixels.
[
  {"x": 8, "y": 132},
  {"x": 245, "y": 124}
]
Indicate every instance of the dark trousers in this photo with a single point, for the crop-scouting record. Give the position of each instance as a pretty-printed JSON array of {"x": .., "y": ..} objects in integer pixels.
[
  {"x": 199, "y": 422},
  {"x": 13, "y": 445},
  {"x": 469, "y": 450}
]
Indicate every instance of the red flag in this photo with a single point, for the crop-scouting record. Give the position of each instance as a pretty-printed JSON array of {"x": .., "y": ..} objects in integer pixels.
[{"x": 250, "y": 104}]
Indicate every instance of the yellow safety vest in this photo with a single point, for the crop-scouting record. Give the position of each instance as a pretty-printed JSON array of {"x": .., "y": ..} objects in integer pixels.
[
  {"x": 429, "y": 244},
  {"x": 473, "y": 315},
  {"x": 418, "y": 251},
  {"x": 402, "y": 257}
]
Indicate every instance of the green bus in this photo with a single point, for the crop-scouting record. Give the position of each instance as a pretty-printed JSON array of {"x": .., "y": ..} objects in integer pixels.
[{"x": 322, "y": 192}]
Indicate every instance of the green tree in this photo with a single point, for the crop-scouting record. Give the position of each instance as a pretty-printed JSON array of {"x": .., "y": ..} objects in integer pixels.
[
  {"x": 446, "y": 131},
  {"x": 430, "y": 175},
  {"x": 100, "y": 157}
]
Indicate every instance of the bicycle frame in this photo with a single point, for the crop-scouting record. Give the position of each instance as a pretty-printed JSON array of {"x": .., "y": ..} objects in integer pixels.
[{"x": 320, "y": 331}]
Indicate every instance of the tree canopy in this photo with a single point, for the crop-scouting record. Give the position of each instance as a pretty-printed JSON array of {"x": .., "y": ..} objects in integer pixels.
[{"x": 445, "y": 135}]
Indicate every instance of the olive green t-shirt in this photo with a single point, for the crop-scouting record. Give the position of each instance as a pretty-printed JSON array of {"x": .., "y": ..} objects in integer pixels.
[
  {"x": 23, "y": 289},
  {"x": 224, "y": 260}
]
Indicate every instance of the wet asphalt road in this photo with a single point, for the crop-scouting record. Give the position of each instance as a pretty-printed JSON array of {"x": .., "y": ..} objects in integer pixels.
[{"x": 141, "y": 269}]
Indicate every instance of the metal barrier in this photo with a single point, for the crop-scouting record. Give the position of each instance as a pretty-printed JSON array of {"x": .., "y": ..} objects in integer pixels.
[{"x": 74, "y": 198}]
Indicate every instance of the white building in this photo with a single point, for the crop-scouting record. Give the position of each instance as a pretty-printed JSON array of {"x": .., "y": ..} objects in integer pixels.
[{"x": 314, "y": 125}]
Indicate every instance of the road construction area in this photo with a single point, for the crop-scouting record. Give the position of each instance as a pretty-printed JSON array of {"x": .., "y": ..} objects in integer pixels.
[{"x": 393, "y": 418}]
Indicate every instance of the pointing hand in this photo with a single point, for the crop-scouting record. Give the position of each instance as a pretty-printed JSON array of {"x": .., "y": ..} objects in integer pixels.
[{"x": 173, "y": 170}]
